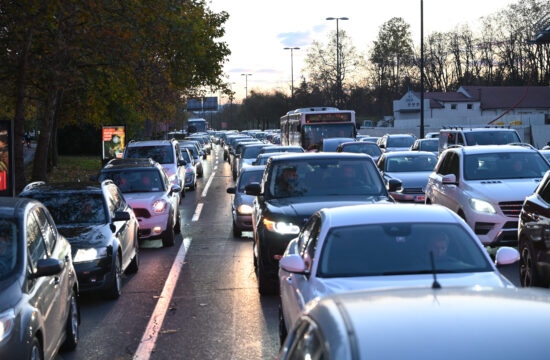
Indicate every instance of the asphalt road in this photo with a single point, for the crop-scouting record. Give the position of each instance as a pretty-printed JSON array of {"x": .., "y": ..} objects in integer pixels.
[{"x": 215, "y": 311}]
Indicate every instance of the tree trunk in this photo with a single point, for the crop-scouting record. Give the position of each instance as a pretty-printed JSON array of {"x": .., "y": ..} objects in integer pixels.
[{"x": 40, "y": 167}]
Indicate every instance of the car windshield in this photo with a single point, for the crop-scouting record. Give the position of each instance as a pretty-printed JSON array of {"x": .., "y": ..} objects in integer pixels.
[
  {"x": 362, "y": 148},
  {"x": 429, "y": 145},
  {"x": 135, "y": 181},
  {"x": 400, "y": 141},
  {"x": 249, "y": 177},
  {"x": 518, "y": 165},
  {"x": 74, "y": 208},
  {"x": 8, "y": 248},
  {"x": 324, "y": 177},
  {"x": 162, "y": 154},
  {"x": 185, "y": 156},
  {"x": 498, "y": 137},
  {"x": 411, "y": 163},
  {"x": 400, "y": 249},
  {"x": 251, "y": 152},
  {"x": 313, "y": 135}
]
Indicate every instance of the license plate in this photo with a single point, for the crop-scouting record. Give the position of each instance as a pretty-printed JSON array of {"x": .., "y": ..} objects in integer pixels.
[{"x": 420, "y": 198}]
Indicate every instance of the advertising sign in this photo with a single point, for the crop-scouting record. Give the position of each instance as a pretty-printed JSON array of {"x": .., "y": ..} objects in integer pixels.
[
  {"x": 6, "y": 157},
  {"x": 194, "y": 105},
  {"x": 113, "y": 138}
]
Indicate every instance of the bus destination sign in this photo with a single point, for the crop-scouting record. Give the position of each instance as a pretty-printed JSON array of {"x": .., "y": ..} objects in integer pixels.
[{"x": 328, "y": 117}]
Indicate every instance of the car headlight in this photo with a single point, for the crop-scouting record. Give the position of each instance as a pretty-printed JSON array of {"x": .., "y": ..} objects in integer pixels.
[
  {"x": 482, "y": 206},
  {"x": 244, "y": 209},
  {"x": 7, "y": 322},
  {"x": 281, "y": 227},
  {"x": 159, "y": 206},
  {"x": 83, "y": 255}
]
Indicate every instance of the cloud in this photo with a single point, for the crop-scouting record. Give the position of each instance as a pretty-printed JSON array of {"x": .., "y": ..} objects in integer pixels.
[
  {"x": 240, "y": 70},
  {"x": 268, "y": 71},
  {"x": 298, "y": 38},
  {"x": 319, "y": 28}
]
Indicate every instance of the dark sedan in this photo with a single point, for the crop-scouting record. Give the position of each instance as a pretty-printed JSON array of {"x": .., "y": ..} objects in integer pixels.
[
  {"x": 39, "y": 311},
  {"x": 293, "y": 188},
  {"x": 101, "y": 227}
]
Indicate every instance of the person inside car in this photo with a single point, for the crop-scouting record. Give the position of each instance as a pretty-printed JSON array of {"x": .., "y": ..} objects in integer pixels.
[{"x": 288, "y": 183}]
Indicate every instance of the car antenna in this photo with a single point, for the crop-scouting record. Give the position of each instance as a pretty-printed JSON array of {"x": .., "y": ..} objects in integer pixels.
[{"x": 435, "y": 284}]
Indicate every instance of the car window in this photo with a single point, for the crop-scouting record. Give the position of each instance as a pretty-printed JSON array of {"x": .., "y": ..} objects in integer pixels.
[
  {"x": 400, "y": 249},
  {"x": 504, "y": 166},
  {"x": 412, "y": 163},
  {"x": 135, "y": 181},
  {"x": 497, "y": 137},
  {"x": 74, "y": 208},
  {"x": 459, "y": 139},
  {"x": 248, "y": 177},
  {"x": 400, "y": 141},
  {"x": 362, "y": 148},
  {"x": 454, "y": 165},
  {"x": 35, "y": 242},
  {"x": 162, "y": 154},
  {"x": 251, "y": 152},
  {"x": 308, "y": 253},
  {"x": 307, "y": 343},
  {"x": 8, "y": 248},
  {"x": 429, "y": 145},
  {"x": 48, "y": 229},
  {"x": 444, "y": 164},
  {"x": 185, "y": 155}
]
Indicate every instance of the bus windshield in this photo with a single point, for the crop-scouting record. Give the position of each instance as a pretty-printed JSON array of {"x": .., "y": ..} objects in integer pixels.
[
  {"x": 314, "y": 134},
  {"x": 196, "y": 126}
]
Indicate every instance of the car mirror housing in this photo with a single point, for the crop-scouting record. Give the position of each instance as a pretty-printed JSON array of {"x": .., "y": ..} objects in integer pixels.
[
  {"x": 47, "y": 267},
  {"x": 394, "y": 185},
  {"x": 121, "y": 216},
  {"x": 506, "y": 256},
  {"x": 253, "y": 189},
  {"x": 175, "y": 188},
  {"x": 293, "y": 263},
  {"x": 449, "y": 179},
  {"x": 230, "y": 190}
]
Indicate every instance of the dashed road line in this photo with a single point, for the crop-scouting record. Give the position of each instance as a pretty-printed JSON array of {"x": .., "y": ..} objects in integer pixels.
[
  {"x": 197, "y": 213},
  {"x": 205, "y": 191}
]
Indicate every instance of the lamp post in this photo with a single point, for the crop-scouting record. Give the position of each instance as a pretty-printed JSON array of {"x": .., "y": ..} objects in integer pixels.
[
  {"x": 421, "y": 69},
  {"x": 292, "y": 70},
  {"x": 246, "y": 95},
  {"x": 338, "y": 79}
]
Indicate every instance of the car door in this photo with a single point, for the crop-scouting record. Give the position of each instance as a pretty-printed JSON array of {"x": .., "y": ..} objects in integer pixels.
[
  {"x": 535, "y": 216},
  {"x": 44, "y": 291},
  {"x": 448, "y": 193},
  {"x": 123, "y": 231},
  {"x": 180, "y": 169}
]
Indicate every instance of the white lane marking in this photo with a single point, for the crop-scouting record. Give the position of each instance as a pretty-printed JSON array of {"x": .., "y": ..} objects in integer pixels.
[
  {"x": 205, "y": 191},
  {"x": 216, "y": 167},
  {"x": 149, "y": 338},
  {"x": 197, "y": 213}
]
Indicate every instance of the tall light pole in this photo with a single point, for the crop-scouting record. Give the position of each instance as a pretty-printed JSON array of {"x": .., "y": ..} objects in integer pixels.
[
  {"x": 292, "y": 70},
  {"x": 338, "y": 78},
  {"x": 421, "y": 69},
  {"x": 246, "y": 94}
]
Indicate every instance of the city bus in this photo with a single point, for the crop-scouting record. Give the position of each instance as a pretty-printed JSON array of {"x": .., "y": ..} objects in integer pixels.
[
  {"x": 196, "y": 125},
  {"x": 307, "y": 127}
]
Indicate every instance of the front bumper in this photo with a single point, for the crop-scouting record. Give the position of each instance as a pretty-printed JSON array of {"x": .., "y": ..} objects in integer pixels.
[
  {"x": 272, "y": 246},
  {"x": 418, "y": 198},
  {"x": 494, "y": 229},
  {"x": 93, "y": 275},
  {"x": 147, "y": 225},
  {"x": 243, "y": 222}
]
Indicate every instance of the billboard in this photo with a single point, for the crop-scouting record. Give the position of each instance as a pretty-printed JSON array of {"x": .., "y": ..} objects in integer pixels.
[
  {"x": 210, "y": 103},
  {"x": 113, "y": 138},
  {"x": 6, "y": 159},
  {"x": 194, "y": 105}
]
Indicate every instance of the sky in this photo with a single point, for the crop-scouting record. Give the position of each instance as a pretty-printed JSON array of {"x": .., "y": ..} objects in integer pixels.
[{"x": 257, "y": 31}]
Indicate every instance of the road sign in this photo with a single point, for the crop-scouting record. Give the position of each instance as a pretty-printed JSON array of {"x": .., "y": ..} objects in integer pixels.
[
  {"x": 210, "y": 103},
  {"x": 194, "y": 105}
]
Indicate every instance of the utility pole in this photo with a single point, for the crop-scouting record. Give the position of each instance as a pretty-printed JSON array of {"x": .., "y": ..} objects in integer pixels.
[
  {"x": 338, "y": 72},
  {"x": 421, "y": 69},
  {"x": 246, "y": 95},
  {"x": 292, "y": 70}
]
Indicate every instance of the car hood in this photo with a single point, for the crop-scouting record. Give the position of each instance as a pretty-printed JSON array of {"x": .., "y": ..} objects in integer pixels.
[
  {"x": 502, "y": 190},
  {"x": 242, "y": 198},
  {"x": 302, "y": 208},
  {"x": 140, "y": 200},
  {"x": 85, "y": 237},
  {"x": 339, "y": 285},
  {"x": 411, "y": 179},
  {"x": 170, "y": 169}
]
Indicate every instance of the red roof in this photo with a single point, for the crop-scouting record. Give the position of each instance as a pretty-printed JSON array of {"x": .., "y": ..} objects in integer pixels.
[{"x": 504, "y": 97}]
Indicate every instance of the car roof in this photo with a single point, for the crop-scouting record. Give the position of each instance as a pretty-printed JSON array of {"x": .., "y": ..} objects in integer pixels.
[
  {"x": 407, "y": 153},
  {"x": 476, "y": 129},
  {"x": 320, "y": 155},
  {"x": 42, "y": 187},
  {"x": 253, "y": 168},
  {"x": 450, "y": 323},
  {"x": 387, "y": 213},
  {"x": 150, "y": 142},
  {"x": 130, "y": 165},
  {"x": 483, "y": 149}
]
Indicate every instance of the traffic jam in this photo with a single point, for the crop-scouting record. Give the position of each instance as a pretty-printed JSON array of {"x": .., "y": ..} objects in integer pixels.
[{"x": 358, "y": 243}]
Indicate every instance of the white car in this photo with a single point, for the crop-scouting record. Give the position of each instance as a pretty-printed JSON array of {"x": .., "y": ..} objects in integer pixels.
[
  {"x": 486, "y": 186},
  {"x": 380, "y": 246}
]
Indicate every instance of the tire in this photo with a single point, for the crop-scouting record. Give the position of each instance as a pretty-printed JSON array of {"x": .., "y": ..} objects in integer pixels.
[
  {"x": 266, "y": 285},
  {"x": 71, "y": 327},
  {"x": 177, "y": 228},
  {"x": 282, "y": 326},
  {"x": 238, "y": 233},
  {"x": 36, "y": 350},
  {"x": 168, "y": 236},
  {"x": 114, "y": 291},
  {"x": 134, "y": 264},
  {"x": 528, "y": 274},
  {"x": 428, "y": 201}
]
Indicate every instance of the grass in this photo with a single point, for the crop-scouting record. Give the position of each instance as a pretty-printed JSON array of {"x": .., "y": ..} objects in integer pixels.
[{"x": 71, "y": 169}]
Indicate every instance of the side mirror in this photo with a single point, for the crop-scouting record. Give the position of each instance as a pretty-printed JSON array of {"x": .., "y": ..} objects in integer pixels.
[
  {"x": 506, "y": 256},
  {"x": 449, "y": 179},
  {"x": 293, "y": 263},
  {"x": 175, "y": 188},
  {"x": 121, "y": 216},
  {"x": 182, "y": 162},
  {"x": 48, "y": 267},
  {"x": 230, "y": 190},
  {"x": 253, "y": 189},
  {"x": 394, "y": 185}
]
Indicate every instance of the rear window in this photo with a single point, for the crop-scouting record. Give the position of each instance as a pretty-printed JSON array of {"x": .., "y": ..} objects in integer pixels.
[
  {"x": 491, "y": 137},
  {"x": 251, "y": 152},
  {"x": 74, "y": 208},
  {"x": 249, "y": 177},
  {"x": 410, "y": 163},
  {"x": 363, "y": 148},
  {"x": 429, "y": 145},
  {"x": 134, "y": 181},
  {"x": 162, "y": 154},
  {"x": 324, "y": 177},
  {"x": 400, "y": 141}
]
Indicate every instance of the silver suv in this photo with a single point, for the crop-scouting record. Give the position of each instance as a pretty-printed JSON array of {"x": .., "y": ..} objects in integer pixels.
[
  {"x": 486, "y": 186},
  {"x": 476, "y": 136}
]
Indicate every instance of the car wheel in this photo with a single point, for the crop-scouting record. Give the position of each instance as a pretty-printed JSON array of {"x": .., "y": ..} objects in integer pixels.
[
  {"x": 528, "y": 273},
  {"x": 134, "y": 265},
  {"x": 182, "y": 193},
  {"x": 236, "y": 231},
  {"x": 266, "y": 285},
  {"x": 282, "y": 326},
  {"x": 36, "y": 350},
  {"x": 428, "y": 201},
  {"x": 114, "y": 291},
  {"x": 168, "y": 236},
  {"x": 177, "y": 228},
  {"x": 71, "y": 328},
  {"x": 192, "y": 186}
]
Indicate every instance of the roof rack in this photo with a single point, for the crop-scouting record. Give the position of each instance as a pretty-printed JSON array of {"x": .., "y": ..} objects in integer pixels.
[{"x": 498, "y": 126}]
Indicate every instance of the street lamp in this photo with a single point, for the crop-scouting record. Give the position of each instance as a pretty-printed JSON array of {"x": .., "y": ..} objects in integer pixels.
[
  {"x": 246, "y": 94},
  {"x": 292, "y": 70},
  {"x": 421, "y": 69},
  {"x": 338, "y": 79}
]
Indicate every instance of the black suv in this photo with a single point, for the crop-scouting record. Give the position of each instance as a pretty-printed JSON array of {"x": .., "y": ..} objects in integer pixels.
[
  {"x": 100, "y": 226},
  {"x": 294, "y": 187},
  {"x": 534, "y": 237}
]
